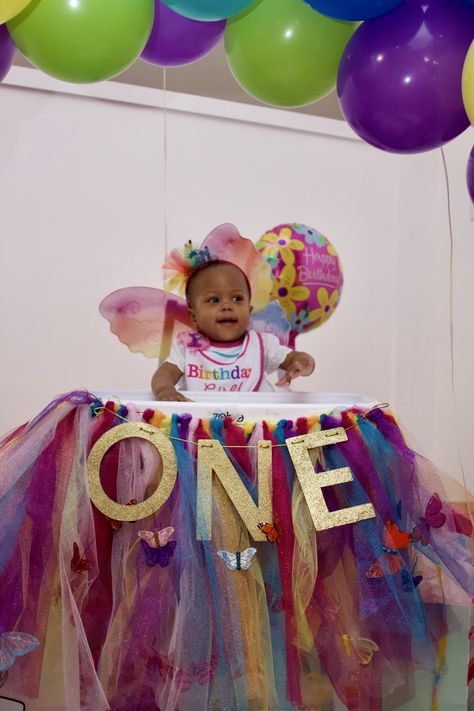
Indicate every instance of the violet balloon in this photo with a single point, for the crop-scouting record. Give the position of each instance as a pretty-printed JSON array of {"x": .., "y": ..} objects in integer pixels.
[
  {"x": 7, "y": 52},
  {"x": 176, "y": 40},
  {"x": 399, "y": 82},
  {"x": 470, "y": 175}
]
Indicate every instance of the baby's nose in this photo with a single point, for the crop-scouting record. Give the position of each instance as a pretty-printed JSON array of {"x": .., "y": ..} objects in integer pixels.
[{"x": 226, "y": 305}]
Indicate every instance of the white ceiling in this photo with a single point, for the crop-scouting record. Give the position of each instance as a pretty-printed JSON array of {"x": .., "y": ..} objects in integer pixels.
[{"x": 210, "y": 76}]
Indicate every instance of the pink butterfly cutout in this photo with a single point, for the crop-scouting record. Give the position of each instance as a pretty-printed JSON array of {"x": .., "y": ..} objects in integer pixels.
[
  {"x": 156, "y": 539},
  {"x": 433, "y": 518},
  {"x": 13, "y": 645}
]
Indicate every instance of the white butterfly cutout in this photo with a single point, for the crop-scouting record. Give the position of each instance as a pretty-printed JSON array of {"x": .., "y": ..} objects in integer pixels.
[
  {"x": 238, "y": 560},
  {"x": 156, "y": 539},
  {"x": 13, "y": 645}
]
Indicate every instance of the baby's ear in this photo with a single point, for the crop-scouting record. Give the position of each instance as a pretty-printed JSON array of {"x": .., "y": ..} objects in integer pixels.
[
  {"x": 192, "y": 318},
  {"x": 251, "y": 308}
]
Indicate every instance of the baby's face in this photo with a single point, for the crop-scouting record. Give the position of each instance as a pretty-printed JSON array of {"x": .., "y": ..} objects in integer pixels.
[{"x": 219, "y": 303}]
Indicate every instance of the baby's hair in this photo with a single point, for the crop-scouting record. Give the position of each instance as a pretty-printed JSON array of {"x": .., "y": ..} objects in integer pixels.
[{"x": 210, "y": 265}]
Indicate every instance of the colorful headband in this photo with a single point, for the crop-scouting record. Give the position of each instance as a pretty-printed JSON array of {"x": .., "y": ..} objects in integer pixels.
[{"x": 224, "y": 244}]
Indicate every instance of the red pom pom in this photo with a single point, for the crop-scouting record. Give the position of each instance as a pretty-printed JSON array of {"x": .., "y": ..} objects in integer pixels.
[{"x": 148, "y": 414}]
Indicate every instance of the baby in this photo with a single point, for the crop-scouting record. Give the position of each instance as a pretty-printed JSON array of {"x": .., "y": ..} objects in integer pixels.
[{"x": 224, "y": 355}]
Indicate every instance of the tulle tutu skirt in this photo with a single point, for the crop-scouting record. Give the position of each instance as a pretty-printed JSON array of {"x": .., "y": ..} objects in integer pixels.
[{"x": 349, "y": 613}]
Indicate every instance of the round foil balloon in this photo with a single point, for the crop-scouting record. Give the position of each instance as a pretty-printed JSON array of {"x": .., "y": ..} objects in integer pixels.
[
  {"x": 399, "y": 82},
  {"x": 81, "y": 41},
  {"x": 470, "y": 175},
  {"x": 307, "y": 275}
]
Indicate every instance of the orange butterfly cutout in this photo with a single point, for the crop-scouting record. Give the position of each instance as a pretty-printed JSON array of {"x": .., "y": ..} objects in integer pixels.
[
  {"x": 271, "y": 530},
  {"x": 394, "y": 538},
  {"x": 362, "y": 648},
  {"x": 79, "y": 562},
  {"x": 117, "y": 525}
]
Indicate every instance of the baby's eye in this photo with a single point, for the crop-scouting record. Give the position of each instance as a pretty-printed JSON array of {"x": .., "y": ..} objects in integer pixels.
[
  {"x": 213, "y": 300},
  {"x": 237, "y": 298}
]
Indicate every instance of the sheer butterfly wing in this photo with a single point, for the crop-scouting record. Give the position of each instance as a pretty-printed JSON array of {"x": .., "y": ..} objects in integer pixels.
[
  {"x": 362, "y": 647},
  {"x": 15, "y": 644},
  {"x": 433, "y": 514},
  {"x": 165, "y": 534},
  {"x": 230, "y": 559},
  {"x": 156, "y": 539},
  {"x": 162, "y": 556},
  {"x": 246, "y": 557},
  {"x": 394, "y": 537},
  {"x": 144, "y": 318},
  {"x": 272, "y": 320},
  {"x": 421, "y": 532},
  {"x": 79, "y": 562}
]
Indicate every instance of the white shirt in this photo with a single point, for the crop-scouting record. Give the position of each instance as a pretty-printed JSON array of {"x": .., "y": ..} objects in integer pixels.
[{"x": 237, "y": 366}]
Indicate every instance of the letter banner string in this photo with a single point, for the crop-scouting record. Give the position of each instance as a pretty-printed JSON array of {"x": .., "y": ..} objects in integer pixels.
[{"x": 380, "y": 406}]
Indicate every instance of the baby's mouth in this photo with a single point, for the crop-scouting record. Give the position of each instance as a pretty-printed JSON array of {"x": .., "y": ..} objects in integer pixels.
[{"x": 226, "y": 321}]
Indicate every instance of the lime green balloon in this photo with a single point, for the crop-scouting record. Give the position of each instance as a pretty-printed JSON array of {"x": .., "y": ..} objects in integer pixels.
[
  {"x": 284, "y": 53},
  {"x": 83, "y": 40}
]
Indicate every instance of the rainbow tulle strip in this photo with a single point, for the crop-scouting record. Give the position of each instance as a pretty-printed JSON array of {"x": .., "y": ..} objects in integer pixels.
[{"x": 314, "y": 617}]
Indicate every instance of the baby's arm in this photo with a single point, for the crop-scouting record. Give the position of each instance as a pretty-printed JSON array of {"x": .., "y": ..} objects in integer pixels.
[
  {"x": 296, "y": 363},
  {"x": 164, "y": 381}
]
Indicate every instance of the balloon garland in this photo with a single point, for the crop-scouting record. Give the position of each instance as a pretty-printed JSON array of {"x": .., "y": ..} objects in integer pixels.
[{"x": 399, "y": 74}]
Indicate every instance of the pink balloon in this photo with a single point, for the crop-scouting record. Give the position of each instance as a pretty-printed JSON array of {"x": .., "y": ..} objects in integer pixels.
[{"x": 307, "y": 275}]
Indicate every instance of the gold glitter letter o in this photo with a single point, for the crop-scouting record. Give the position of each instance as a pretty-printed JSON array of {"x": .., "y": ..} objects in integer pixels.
[{"x": 121, "y": 512}]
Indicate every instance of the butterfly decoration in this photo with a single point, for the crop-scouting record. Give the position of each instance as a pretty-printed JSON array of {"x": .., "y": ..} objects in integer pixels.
[
  {"x": 272, "y": 531},
  {"x": 117, "y": 525},
  {"x": 274, "y": 603},
  {"x": 157, "y": 546},
  {"x": 79, "y": 562},
  {"x": 185, "y": 677},
  {"x": 192, "y": 341},
  {"x": 240, "y": 560},
  {"x": 433, "y": 518},
  {"x": 361, "y": 647},
  {"x": 394, "y": 540},
  {"x": 13, "y": 645},
  {"x": 410, "y": 582}
]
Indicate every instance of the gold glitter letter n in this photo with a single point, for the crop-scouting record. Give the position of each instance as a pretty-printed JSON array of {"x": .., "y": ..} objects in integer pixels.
[
  {"x": 212, "y": 458},
  {"x": 312, "y": 482}
]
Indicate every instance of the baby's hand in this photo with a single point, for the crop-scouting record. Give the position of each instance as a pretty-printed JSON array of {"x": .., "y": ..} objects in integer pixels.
[
  {"x": 296, "y": 363},
  {"x": 171, "y": 395}
]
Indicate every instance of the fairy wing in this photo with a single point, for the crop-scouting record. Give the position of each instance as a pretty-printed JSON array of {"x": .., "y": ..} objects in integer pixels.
[
  {"x": 272, "y": 320},
  {"x": 15, "y": 644},
  {"x": 226, "y": 242},
  {"x": 144, "y": 318}
]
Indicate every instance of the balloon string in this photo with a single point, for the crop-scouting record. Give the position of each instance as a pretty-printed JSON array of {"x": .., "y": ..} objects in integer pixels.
[
  {"x": 451, "y": 334},
  {"x": 165, "y": 170}
]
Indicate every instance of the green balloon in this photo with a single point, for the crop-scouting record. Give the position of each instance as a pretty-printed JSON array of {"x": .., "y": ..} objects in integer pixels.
[
  {"x": 83, "y": 40},
  {"x": 284, "y": 53}
]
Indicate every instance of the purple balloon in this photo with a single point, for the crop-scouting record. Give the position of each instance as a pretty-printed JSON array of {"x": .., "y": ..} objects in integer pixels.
[
  {"x": 470, "y": 175},
  {"x": 399, "y": 82},
  {"x": 176, "y": 40},
  {"x": 7, "y": 52}
]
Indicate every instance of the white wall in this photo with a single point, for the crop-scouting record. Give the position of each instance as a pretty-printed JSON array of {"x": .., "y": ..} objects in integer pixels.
[{"x": 81, "y": 191}]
